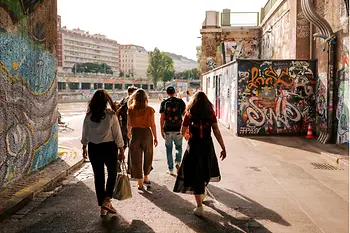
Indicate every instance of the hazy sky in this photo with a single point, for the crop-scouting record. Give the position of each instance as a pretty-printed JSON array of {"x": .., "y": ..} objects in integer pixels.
[{"x": 172, "y": 26}]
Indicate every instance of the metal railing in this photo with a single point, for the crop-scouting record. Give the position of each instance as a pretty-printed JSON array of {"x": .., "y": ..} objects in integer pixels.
[
  {"x": 268, "y": 6},
  {"x": 242, "y": 19}
]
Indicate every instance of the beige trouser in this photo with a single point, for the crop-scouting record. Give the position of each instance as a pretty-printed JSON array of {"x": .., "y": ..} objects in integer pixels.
[{"x": 141, "y": 144}]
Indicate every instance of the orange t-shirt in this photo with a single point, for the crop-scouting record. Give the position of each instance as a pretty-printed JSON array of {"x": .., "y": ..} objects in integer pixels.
[{"x": 141, "y": 118}]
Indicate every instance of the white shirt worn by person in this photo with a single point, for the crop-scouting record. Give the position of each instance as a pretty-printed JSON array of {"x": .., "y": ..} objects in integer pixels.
[{"x": 107, "y": 130}]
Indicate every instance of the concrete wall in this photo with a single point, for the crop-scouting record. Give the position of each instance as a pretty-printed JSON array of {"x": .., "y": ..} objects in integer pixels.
[
  {"x": 285, "y": 32},
  {"x": 86, "y": 95},
  {"x": 334, "y": 12},
  {"x": 264, "y": 97},
  {"x": 277, "y": 34},
  {"x": 28, "y": 97},
  {"x": 222, "y": 45},
  {"x": 286, "y": 35}
]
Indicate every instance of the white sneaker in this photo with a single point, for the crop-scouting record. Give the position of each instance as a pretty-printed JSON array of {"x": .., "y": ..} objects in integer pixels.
[
  {"x": 199, "y": 211},
  {"x": 171, "y": 172}
]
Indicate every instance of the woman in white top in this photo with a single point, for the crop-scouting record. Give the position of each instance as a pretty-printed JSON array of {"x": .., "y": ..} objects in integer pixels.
[{"x": 102, "y": 135}]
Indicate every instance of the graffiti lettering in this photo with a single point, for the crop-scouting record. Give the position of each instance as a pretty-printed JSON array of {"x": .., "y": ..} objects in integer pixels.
[
  {"x": 249, "y": 130},
  {"x": 270, "y": 77},
  {"x": 281, "y": 116},
  {"x": 278, "y": 98}
]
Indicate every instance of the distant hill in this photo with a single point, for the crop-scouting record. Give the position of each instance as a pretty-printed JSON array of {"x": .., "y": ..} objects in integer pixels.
[
  {"x": 179, "y": 57},
  {"x": 182, "y": 63}
]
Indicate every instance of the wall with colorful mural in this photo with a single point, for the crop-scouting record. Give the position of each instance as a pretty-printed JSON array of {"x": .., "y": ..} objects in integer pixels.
[
  {"x": 342, "y": 111},
  {"x": 241, "y": 48},
  {"x": 28, "y": 96},
  {"x": 264, "y": 97}
]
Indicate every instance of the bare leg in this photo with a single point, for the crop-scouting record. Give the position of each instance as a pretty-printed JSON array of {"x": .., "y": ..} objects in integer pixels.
[
  {"x": 198, "y": 200},
  {"x": 139, "y": 183}
]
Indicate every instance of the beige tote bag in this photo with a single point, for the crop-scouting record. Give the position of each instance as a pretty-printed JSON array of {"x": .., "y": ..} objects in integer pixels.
[{"x": 122, "y": 187}]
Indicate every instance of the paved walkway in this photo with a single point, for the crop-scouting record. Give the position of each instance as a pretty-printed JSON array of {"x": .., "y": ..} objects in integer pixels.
[{"x": 269, "y": 184}]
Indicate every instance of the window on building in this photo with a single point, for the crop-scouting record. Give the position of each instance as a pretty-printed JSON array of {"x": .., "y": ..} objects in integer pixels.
[
  {"x": 61, "y": 86},
  {"x": 85, "y": 86},
  {"x": 97, "y": 86},
  {"x": 151, "y": 87},
  {"x": 73, "y": 86},
  {"x": 144, "y": 86},
  {"x": 108, "y": 86},
  {"x": 118, "y": 86}
]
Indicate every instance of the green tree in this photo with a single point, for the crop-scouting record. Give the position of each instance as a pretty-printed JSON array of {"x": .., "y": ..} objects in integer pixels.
[
  {"x": 92, "y": 68},
  {"x": 167, "y": 68},
  {"x": 195, "y": 74},
  {"x": 187, "y": 74},
  {"x": 121, "y": 74},
  {"x": 154, "y": 70}
]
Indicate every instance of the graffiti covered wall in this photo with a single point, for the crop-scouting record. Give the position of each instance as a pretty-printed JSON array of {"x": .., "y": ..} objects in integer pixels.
[
  {"x": 342, "y": 111},
  {"x": 275, "y": 97},
  {"x": 28, "y": 96},
  {"x": 242, "y": 48}
]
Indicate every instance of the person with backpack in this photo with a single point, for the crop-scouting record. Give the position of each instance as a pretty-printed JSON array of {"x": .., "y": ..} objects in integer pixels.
[
  {"x": 172, "y": 110},
  {"x": 123, "y": 120}
]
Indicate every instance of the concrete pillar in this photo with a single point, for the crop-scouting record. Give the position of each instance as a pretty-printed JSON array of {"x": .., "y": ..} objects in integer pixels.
[
  {"x": 79, "y": 86},
  {"x": 149, "y": 87},
  {"x": 300, "y": 26},
  {"x": 123, "y": 86}
]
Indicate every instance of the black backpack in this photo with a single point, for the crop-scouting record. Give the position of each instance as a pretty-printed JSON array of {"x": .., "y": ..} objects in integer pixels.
[
  {"x": 172, "y": 115},
  {"x": 123, "y": 110}
]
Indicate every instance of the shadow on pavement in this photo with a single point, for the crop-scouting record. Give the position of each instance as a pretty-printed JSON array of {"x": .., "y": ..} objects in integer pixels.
[
  {"x": 245, "y": 205},
  {"x": 298, "y": 142},
  {"x": 74, "y": 209},
  {"x": 182, "y": 209}
]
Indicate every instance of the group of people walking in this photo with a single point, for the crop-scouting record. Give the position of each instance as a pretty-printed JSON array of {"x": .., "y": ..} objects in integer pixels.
[{"x": 110, "y": 127}]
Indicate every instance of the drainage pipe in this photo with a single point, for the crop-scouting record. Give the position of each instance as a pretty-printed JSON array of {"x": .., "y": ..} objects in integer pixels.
[{"x": 326, "y": 135}]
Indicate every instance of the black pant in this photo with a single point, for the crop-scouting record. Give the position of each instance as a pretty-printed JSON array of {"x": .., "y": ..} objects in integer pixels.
[{"x": 103, "y": 154}]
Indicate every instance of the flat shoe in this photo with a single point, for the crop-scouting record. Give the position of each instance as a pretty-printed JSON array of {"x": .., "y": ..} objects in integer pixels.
[
  {"x": 103, "y": 212},
  {"x": 147, "y": 182},
  {"x": 140, "y": 188}
]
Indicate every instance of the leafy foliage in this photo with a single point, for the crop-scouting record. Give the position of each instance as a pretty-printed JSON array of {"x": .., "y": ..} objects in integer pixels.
[
  {"x": 160, "y": 67},
  {"x": 92, "y": 68},
  {"x": 193, "y": 74}
]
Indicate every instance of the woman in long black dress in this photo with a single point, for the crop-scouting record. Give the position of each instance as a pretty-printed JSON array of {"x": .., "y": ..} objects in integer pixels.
[{"x": 199, "y": 165}]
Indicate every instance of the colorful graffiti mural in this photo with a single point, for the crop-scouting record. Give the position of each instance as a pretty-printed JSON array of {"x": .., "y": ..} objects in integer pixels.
[
  {"x": 342, "y": 111},
  {"x": 210, "y": 63},
  {"x": 28, "y": 97},
  {"x": 242, "y": 48},
  {"x": 275, "y": 96}
]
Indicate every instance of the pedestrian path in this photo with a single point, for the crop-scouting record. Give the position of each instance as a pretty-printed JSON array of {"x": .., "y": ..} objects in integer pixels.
[{"x": 18, "y": 193}]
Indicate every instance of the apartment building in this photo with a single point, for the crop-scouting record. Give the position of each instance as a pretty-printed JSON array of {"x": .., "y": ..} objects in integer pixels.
[
  {"x": 134, "y": 61},
  {"x": 78, "y": 46}
]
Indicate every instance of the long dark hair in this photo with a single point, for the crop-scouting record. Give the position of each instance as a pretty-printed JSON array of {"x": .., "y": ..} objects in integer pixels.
[
  {"x": 98, "y": 105},
  {"x": 200, "y": 107}
]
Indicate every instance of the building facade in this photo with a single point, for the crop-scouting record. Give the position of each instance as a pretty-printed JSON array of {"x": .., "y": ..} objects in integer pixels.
[
  {"x": 297, "y": 30},
  {"x": 134, "y": 61},
  {"x": 78, "y": 46}
]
